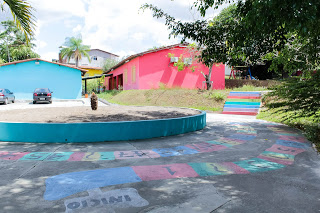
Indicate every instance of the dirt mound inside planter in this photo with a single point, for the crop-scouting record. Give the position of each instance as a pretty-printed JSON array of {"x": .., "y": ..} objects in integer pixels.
[{"x": 85, "y": 114}]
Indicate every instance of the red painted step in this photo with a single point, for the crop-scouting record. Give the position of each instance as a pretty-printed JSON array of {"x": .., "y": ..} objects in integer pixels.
[
  {"x": 240, "y": 113},
  {"x": 243, "y": 97}
]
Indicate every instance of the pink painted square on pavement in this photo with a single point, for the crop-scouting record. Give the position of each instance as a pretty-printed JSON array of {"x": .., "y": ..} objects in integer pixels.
[
  {"x": 285, "y": 149},
  {"x": 161, "y": 172},
  {"x": 151, "y": 154},
  {"x": 235, "y": 168},
  {"x": 76, "y": 156},
  {"x": 205, "y": 147},
  {"x": 12, "y": 155},
  {"x": 130, "y": 154},
  {"x": 293, "y": 138}
]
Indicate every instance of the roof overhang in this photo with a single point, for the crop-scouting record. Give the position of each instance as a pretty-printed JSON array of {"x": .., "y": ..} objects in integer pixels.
[
  {"x": 83, "y": 71},
  {"x": 97, "y": 76}
]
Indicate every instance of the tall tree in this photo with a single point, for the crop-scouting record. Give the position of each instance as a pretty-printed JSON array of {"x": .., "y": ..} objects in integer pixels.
[
  {"x": 21, "y": 11},
  {"x": 109, "y": 63},
  {"x": 246, "y": 32},
  {"x": 73, "y": 48},
  {"x": 14, "y": 45}
]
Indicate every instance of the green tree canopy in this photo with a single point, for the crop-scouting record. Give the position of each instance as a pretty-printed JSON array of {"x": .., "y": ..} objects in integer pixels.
[
  {"x": 14, "y": 45},
  {"x": 23, "y": 18},
  {"x": 250, "y": 31},
  {"x": 109, "y": 63},
  {"x": 73, "y": 48}
]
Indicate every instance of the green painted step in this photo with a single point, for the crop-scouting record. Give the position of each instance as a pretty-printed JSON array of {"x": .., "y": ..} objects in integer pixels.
[
  {"x": 243, "y": 103},
  {"x": 244, "y": 100}
]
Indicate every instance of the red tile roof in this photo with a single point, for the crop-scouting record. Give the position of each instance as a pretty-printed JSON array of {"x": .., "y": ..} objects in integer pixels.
[
  {"x": 143, "y": 53},
  {"x": 83, "y": 71}
]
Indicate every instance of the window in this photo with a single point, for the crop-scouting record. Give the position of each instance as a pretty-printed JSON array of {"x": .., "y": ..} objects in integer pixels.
[
  {"x": 133, "y": 74},
  {"x": 95, "y": 58}
]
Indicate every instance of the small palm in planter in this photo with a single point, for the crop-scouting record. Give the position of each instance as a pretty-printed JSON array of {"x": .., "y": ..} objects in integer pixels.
[{"x": 94, "y": 101}]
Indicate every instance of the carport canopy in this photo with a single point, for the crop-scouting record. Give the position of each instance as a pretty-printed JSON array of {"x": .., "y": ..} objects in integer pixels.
[{"x": 92, "y": 77}]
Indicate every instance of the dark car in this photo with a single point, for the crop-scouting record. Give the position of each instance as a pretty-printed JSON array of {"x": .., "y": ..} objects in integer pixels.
[
  {"x": 42, "y": 95},
  {"x": 6, "y": 96}
]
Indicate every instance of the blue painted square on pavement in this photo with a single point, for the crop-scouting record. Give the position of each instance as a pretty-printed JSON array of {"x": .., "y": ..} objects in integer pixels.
[
  {"x": 243, "y": 137},
  {"x": 63, "y": 185},
  {"x": 258, "y": 165},
  {"x": 293, "y": 144},
  {"x": 175, "y": 151}
]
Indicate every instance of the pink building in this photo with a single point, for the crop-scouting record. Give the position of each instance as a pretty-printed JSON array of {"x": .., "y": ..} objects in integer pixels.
[{"x": 148, "y": 70}]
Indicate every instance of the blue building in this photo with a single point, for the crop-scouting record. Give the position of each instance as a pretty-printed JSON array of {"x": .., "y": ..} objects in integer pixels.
[{"x": 23, "y": 77}]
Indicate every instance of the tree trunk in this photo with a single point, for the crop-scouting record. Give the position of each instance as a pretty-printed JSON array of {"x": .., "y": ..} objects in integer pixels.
[
  {"x": 208, "y": 77},
  {"x": 77, "y": 62}
]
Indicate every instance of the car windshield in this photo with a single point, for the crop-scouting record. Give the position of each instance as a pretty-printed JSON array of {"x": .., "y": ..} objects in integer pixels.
[
  {"x": 42, "y": 90},
  {"x": 1, "y": 90}
]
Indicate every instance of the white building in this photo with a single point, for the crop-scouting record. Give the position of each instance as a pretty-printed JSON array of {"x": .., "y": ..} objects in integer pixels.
[{"x": 97, "y": 57}]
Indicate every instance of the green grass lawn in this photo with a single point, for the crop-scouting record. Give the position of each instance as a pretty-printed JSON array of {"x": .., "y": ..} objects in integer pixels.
[
  {"x": 212, "y": 101},
  {"x": 279, "y": 110}
]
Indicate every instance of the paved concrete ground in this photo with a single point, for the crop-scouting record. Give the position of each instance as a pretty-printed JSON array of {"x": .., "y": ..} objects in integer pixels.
[
  {"x": 55, "y": 103},
  {"x": 236, "y": 164}
]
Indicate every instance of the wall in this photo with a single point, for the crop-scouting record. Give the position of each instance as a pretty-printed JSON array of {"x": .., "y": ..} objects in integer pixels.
[
  {"x": 101, "y": 57},
  {"x": 93, "y": 72},
  {"x": 130, "y": 78},
  {"x": 156, "y": 69},
  {"x": 23, "y": 78}
]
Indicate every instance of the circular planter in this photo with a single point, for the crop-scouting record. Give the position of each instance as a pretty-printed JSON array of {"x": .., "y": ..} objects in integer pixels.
[{"x": 99, "y": 131}]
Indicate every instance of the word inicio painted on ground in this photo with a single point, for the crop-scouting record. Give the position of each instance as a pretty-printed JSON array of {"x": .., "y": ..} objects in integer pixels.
[
  {"x": 120, "y": 198},
  {"x": 278, "y": 156},
  {"x": 195, "y": 148}
]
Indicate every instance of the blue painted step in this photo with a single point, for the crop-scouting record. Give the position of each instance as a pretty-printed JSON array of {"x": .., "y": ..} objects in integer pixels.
[
  {"x": 241, "y": 106},
  {"x": 243, "y": 103}
]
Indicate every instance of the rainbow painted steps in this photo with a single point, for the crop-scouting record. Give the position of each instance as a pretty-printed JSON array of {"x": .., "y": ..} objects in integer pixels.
[{"x": 242, "y": 103}]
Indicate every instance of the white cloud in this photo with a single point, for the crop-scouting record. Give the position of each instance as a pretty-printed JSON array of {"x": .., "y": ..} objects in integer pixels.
[
  {"x": 49, "y": 56},
  {"x": 119, "y": 26},
  {"x": 77, "y": 29},
  {"x": 115, "y": 26},
  {"x": 58, "y": 9}
]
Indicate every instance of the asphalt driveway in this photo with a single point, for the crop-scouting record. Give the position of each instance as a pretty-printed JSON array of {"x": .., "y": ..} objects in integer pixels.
[{"x": 235, "y": 164}]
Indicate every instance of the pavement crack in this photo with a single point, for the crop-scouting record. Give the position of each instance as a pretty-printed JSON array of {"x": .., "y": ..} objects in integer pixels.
[
  {"x": 220, "y": 206},
  {"x": 39, "y": 162}
]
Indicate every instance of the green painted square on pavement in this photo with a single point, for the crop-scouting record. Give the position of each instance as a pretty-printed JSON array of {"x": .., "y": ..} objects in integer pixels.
[
  {"x": 59, "y": 156},
  {"x": 209, "y": 169},
  {"x": 107, "y": 156},
  {"x": 220, "y": 143},
  {"x": 36, "y": 156},
  {"x": 258, "y": 165}
]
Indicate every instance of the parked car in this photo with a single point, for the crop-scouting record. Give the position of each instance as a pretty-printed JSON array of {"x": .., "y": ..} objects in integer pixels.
[
  {"x": 42, "y": 95},
  {"x": 6, "y": 96}
]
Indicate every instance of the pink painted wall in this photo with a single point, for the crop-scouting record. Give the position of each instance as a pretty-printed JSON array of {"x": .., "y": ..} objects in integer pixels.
[
  {"x": 129, "y": 81},
  {"x": 153, "y": 69},
  {"x": 156, "y": 68}
]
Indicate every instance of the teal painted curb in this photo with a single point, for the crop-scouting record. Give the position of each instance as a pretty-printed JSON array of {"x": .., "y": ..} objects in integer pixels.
[{"x": 100, "y": 131}]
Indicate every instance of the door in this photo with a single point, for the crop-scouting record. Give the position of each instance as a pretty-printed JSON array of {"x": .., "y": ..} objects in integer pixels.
[{"x": 120, "y": 82}]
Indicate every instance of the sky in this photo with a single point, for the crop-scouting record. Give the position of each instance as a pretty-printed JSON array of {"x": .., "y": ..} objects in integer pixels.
[{"x": 117, "y": 26}]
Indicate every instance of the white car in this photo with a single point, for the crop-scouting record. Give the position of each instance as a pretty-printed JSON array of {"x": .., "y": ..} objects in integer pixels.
[{"x": 6, "y": 96}]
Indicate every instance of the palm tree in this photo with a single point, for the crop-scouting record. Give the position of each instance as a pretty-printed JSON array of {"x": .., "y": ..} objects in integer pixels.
[
  {"x": 73, "y": 48},
  {"x": 22, "y": 15}
]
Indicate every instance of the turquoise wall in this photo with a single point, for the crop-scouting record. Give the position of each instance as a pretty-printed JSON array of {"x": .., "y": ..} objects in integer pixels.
[
  {"x": 23, "y": 78},
  {"x": 100, "y": 131}
]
